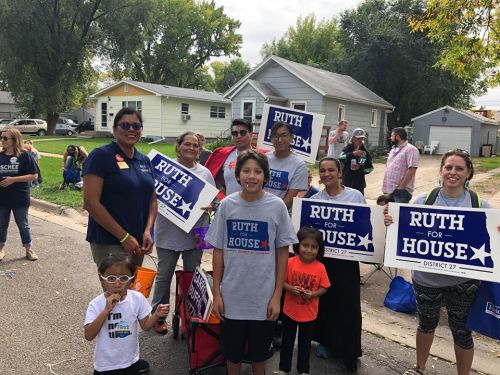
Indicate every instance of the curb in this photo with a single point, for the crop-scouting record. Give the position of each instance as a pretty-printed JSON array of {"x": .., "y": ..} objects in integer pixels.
[{"x": 55, "y": 209}]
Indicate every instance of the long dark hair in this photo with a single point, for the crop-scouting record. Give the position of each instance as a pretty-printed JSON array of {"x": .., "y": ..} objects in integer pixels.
[{"x": 315, "y": 234}]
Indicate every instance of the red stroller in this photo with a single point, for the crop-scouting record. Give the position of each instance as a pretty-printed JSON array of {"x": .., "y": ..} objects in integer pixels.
[{"x": 202, "y": 338}]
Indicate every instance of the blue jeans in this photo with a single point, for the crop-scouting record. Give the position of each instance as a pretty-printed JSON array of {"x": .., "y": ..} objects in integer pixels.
[{"x": 21, "y": 218}]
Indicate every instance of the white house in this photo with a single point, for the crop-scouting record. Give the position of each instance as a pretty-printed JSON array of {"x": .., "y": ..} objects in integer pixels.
[{"x": 167, "y": 111}]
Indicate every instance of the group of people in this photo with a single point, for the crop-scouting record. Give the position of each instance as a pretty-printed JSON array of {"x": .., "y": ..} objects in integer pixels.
[{"x": 251, "y": 234}]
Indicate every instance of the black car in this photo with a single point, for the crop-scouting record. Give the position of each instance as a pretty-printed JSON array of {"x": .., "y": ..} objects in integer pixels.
[{"x": 85, "y": 126}]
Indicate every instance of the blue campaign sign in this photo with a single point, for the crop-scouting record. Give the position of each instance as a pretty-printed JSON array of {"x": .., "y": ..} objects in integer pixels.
[
  {"x": 444, "y": 240},
  {"x": 350, "y": 231},
  {"x": 181, "y": 194},
  {"x": 251, "y": 235},
  {"x": 306, "y": 128}
]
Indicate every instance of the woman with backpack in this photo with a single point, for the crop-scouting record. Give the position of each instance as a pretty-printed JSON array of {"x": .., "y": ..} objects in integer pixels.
[{"x": 431, "y": 289}]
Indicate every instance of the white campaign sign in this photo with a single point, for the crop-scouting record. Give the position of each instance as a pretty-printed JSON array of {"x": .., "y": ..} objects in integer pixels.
[{"x": 457, "y": 241}]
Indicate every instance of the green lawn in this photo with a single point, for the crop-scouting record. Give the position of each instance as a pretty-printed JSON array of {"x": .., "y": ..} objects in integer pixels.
[
  {"x": 486, "y": 164},
  {"x": 59, "y": 146}
]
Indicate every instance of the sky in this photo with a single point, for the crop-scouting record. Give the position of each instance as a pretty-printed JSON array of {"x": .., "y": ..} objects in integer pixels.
[{"x": 265, "y": 20}]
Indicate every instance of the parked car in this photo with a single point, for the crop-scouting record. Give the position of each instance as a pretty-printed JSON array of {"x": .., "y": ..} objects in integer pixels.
[
  {"x": 85, "y": 126},
  {"x": 30, "y": 126},
  {"x": 65, "y": 126},
  {"x": 5, "y": 121}
]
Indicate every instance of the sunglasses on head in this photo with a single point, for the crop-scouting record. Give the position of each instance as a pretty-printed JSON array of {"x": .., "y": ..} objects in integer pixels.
[
  {"x": 241, "y": 133},
  {"x": 127, "y": 126},
  {"x": 458, "y": 150},
  {"x": 6, "y": 138}
]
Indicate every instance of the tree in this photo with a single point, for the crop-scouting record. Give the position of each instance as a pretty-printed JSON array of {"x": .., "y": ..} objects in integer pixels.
[
  {"x": 469, "y": 30},
  {"x": 47, "y": 48},
  {"x": 309, "y": 42},
  {"x": 227, "y": 73},
  {"x": 382, "y": 54},
  {"x": 176, "y": 39}
]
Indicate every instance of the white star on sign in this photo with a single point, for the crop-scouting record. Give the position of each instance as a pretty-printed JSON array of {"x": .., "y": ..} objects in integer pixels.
[
  {"x": 480, "y": 254},
  {"x": 306, "y": 144},
  {"x": 364, "y": 241},
  {"x": 185, "y": 207}
]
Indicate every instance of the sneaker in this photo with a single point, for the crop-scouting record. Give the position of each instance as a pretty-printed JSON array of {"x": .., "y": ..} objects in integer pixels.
[
  {"x": 414, "y": 371},
  {"x": 280, "y": 373},
  {"x": 62, "y": 186},
  {"x": 161, "y": 327},
  {"x": 31, "y": 255},
  {"x": 2, "y": 254},
  {"x": 322, "y": 352},
  {"x": 143, "y": 366}
]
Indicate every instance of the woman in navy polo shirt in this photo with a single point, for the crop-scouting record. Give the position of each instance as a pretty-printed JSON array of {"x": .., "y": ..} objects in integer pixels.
[{"x": 119, "y": 193}]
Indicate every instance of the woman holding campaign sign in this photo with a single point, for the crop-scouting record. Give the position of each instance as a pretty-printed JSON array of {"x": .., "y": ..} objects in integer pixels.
[
  {"x": 288, "y": 172},
  {"x": 431, "y": 289},
  {"x": 338, "y": 326},
  {"x": 171, "y": 241}
]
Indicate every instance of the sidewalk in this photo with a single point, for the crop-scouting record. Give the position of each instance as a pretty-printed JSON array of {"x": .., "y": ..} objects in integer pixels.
[{"x": 377, "y": 319}]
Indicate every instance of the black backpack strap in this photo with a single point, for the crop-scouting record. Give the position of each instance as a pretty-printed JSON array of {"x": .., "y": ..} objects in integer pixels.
[
  {"x": 475, "y": 200},
  {"x": 431, "y": 196}
]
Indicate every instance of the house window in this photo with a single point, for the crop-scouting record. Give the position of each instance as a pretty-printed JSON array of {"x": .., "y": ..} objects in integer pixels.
[
  {"x": 301, "y": 106},
  {"x": 184, "y": 108},
  {"x": 374, "y": 118},
  {"x": 125, "y": 87},
  {"x": 248, "y": 110},
  {"x": 104, "y": 115},
  {"x": 217, "y": 111},
  {"x": 341, "y": 114},
  {"x": 137, "y": 105}
]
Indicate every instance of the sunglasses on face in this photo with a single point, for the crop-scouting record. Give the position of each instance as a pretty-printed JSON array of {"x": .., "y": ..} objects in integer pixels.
[
  {"x": 127, "y": 126},
  {"x": 113, "y": 279},
  {"x": 241, "y": 133},
  {"x": 6, "y": 139}
]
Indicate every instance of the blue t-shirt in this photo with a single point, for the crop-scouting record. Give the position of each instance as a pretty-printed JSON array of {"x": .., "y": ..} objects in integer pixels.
[
  {"x": 126, "y": 192},
  {"x": 18, "y": 194}
]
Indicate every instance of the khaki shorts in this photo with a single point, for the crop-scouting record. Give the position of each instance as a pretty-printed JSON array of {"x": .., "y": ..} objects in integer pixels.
[{"x": 100, "y": 252}]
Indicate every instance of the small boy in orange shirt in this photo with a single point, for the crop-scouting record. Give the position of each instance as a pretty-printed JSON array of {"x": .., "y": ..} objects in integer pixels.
[{"x": 306, "y": 280}]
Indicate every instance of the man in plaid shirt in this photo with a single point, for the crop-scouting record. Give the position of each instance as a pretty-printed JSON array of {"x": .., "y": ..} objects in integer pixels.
[{"x": 399, "y": 178}]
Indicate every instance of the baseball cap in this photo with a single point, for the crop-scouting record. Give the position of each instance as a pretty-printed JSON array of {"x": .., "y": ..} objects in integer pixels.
[{"x": 359, "y": 133}]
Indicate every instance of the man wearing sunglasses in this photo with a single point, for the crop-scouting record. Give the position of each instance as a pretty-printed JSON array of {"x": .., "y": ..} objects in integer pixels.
[{"x": 223, "y": 159}]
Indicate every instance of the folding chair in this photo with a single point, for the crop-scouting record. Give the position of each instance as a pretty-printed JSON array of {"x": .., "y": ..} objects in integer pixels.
[{"x": 378, "y": 267}]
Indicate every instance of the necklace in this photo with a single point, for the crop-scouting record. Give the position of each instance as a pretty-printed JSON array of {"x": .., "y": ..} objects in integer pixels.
[{"x": 452, "y": 202}]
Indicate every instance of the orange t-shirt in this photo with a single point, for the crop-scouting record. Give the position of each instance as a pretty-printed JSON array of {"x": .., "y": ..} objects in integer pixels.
[{"x": 309, "y": 276}]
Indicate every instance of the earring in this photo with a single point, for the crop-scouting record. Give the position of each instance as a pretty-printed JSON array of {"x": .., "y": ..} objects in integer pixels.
[
  {"x": 440, "y": 182},
  {"x": 466, "y": 184}
]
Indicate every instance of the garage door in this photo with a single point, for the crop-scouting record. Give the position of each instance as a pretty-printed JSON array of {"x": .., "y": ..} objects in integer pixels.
[{"x": 451, "y": 137}]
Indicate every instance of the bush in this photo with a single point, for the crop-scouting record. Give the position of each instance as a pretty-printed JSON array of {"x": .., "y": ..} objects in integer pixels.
[{"x": 219, "y": 142}]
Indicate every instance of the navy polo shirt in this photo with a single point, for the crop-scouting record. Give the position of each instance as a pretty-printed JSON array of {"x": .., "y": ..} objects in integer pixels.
[{"x": 126, "y": 193}]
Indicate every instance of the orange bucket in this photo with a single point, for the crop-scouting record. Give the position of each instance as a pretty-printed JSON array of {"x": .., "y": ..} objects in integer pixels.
[{"x": 143, "y": 281}]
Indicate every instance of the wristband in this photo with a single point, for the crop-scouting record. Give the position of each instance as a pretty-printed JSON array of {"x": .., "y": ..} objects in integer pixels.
[{"x": 125, "y": 238}]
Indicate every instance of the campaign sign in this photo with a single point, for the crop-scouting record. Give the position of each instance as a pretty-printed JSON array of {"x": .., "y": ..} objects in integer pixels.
[
  {"x": 181, "y": 193},
  {"x": 351, "y": 231},
  {"x": 306, "y": 128},
  {"x": 458, "y": 242},
  {"x": 199, "y": 298}
]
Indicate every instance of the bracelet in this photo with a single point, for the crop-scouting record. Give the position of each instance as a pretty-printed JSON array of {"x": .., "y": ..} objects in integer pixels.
[{"x": 125, "y": 237}]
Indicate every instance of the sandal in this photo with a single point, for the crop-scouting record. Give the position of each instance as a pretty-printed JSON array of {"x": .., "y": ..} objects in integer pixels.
[{"x": 414, "y": 371}]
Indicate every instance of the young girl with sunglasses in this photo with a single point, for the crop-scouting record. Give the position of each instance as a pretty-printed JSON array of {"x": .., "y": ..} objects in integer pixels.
[
  {"x": 113, "y": 316},
  {"x": 305, "y": 281},
  {"x": 251, "y": 233}
]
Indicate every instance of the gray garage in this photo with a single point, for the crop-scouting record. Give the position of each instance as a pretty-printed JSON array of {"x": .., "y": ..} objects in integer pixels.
[{"x": 456, "y": 128}]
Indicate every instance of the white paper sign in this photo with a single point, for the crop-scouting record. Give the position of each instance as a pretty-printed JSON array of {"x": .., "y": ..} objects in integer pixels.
[
  {"x": 351, "y": 231},
  {"x": 181, "y": 193},
  {"x": 306, "y": 128},
  {"x": 458, "y": 241}
]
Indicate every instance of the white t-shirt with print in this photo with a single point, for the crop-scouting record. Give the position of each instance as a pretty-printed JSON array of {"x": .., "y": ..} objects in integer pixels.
[{"x": 117, "y": 343}]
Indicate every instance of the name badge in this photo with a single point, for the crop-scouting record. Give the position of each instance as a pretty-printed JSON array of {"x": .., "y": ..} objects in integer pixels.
[{"x": 122, "y": 165}]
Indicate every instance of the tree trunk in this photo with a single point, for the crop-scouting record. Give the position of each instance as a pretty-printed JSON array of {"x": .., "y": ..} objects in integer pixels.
[{"x": 52, "y": 118}]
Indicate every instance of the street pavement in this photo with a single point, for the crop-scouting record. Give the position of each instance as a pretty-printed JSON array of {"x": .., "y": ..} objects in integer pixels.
[{"x": 42, "y": 308}]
